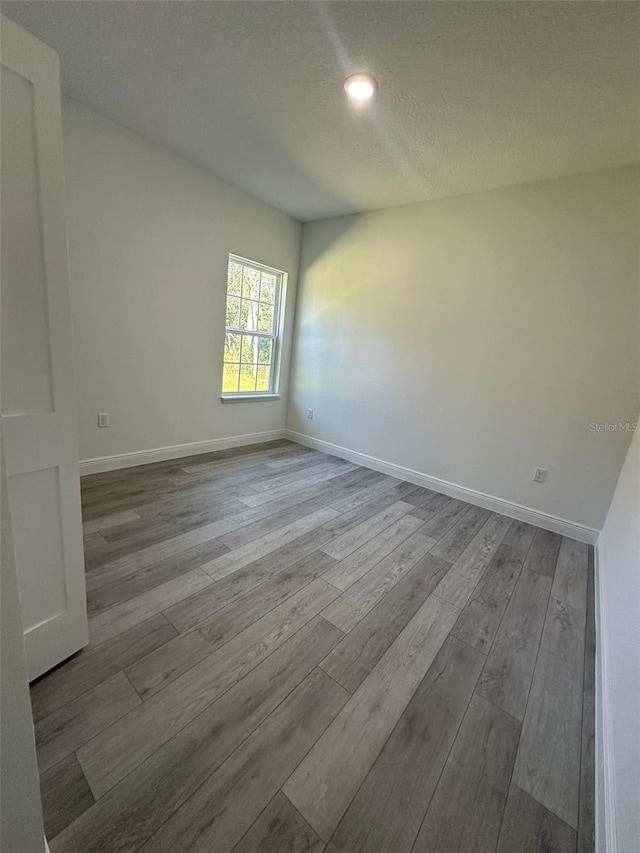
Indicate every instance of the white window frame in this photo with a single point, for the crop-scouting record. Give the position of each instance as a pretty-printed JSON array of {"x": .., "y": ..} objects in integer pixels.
[{"x": 276, "y": 336}]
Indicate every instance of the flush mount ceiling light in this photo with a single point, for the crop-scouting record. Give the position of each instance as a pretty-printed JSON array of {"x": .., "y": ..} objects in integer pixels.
[{"x": 360, "y": 87}]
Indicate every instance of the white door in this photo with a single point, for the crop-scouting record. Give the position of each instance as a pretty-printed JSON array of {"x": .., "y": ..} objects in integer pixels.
[
  {"x": 37, "y": 392},
  {"x": 21, "y": 826}
]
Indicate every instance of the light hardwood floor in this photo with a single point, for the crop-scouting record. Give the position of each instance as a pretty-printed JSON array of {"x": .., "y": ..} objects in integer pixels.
[{"x": 293, "y": 654}]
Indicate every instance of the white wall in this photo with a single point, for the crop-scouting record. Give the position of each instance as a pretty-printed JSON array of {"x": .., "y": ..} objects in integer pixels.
[
  {"x": 618, "y": 587},
  {"x": 475, "y": 338},
  {"x": 149, "y": 238}
]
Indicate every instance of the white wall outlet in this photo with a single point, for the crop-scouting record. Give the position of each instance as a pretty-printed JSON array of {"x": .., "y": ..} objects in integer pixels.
[
  {"x": 103, "y": 420},
  {"x": 540, "y": 475},
  {"x": 310, "y": 414}
]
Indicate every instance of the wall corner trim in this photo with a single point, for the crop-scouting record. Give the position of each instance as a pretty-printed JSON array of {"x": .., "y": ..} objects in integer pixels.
[
  {"x": 571, "y": 529},
  {"x": 177, "y": 451},
  {"x": 605, "y": 787}
]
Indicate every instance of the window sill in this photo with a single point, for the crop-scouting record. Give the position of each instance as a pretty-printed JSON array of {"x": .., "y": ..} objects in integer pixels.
[{"x": 249, "y": 398}]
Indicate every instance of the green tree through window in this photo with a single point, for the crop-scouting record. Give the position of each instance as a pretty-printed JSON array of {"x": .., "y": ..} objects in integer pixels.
[{"x": 252, "y": 328}]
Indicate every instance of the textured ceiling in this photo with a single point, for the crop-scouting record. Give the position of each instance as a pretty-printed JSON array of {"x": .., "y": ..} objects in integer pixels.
[{"x": 472, "y": 94}]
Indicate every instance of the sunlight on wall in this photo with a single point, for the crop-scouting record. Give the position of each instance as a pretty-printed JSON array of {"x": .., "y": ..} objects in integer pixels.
[{"x": 475, "y": 338}]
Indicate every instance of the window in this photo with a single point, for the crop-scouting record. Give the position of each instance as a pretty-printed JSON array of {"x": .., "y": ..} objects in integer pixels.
[{"x": 253, "y": 329}]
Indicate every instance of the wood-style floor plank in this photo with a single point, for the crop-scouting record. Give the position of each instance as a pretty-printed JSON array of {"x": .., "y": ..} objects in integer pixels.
[
  {"x": 194, "y": 609},
  {"x": 228, "y": 474},
  {"x": 309, "y": 469},
  {"x": 572, "y": 574},
  {"x": 295, "y": 488},
  {"x": 354, "y": 604},
  {"x": 354, "y": 658},
  {"x": 520, "y": 536},
  {"x": 267, "y": 463},
  {"x": 548, "y": 762},
  {"x": 65, "y": 795},
  {"x": 93, "y": 544},
  {"x": 474, "y": 783},
  {"x": 95, "y": 664},
  {"x": 153, "y": 530},
  {"x": 506, "y": 677},
  {"x": 479, "y": 621},
  {"x": 254, "y": 472},
  {"x": 347, "y": 571},
  {"x": 240, "y": 557},
  {"x": 127, "y": 815},
  {"x": 290, "y": 536},
  {"x": 446, "y": 517},
  {"x": 458, "y": 584},
  {"x": 130, "y": 563},
  {"x": 114, "y": 753},
  {"x": 105, "y": 481},
  {"x": 343, "y": 493},
  {"x": 543, "y": 553},
  {"x": 427, "y": 499},
  {"x": 71, "y": 726},
  {"x": 387, "y": 811},
  {"x": 171, "y": 660},
  {"x": 367, "y": 507},
  {"x": 302, "y": 456},
  {"x": 431, "y": 508},
  {"x": 456, "y": 539},
  {"x": 120, "y": 591},
  {"x": 266, "y": 523},
  {"x": 352, "y": 539},
  {"x": 373, "y": 486},
  {"x": 108, "y": 623},
  {"x": 132, "y": 500},
  {"x": 587, "y": 808},
  {"x": 182, "y": 495},
  {"x": 218, "y": 814},
  {"x": 185, "y": 504},
  {"x": 108, "y": 521},
  {"x": 237, "y": 459},
  {"x": 280, "y": 829},
  {"x": 165, "y": 525},
  {"x": 325, "y": 782},
  {"x": 527, "y": 827}
]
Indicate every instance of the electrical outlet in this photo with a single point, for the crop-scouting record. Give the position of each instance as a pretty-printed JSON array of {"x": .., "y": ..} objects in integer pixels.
[
  {"x": 103, "y": 420},
  {"x": 539, "y": 475},
  {"x": 310, "y": 414}
]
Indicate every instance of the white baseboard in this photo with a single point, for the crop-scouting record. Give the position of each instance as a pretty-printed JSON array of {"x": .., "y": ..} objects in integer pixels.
[
  {"x": 177, "y": 451},
  {"x": 522, "y": 513},
  {"x": 606, "y": 829}
]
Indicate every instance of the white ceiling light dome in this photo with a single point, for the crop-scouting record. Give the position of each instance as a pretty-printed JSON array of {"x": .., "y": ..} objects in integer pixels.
[{"x": 360, "y": 87}]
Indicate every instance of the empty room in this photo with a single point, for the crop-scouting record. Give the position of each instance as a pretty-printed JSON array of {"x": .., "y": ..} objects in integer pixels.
[{"x": 320, "y": 391}]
